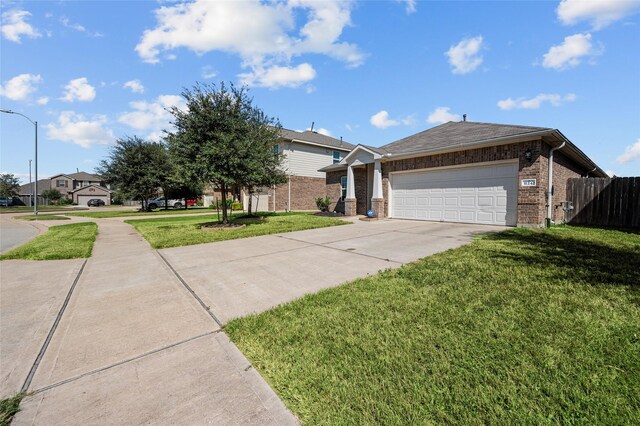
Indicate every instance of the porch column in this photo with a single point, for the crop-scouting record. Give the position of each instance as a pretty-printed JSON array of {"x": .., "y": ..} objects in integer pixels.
[
  {"x": 350, "y": 200},
  {"x": 377, "y": 198}
]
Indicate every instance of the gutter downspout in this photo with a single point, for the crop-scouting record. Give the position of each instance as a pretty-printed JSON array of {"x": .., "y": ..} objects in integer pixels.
[{"x": 550, "y": 182}]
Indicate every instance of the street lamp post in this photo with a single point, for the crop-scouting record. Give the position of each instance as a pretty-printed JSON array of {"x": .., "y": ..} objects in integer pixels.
[
  {"x": 35, "y": 125},
  {"x": 30, "y": 184}
]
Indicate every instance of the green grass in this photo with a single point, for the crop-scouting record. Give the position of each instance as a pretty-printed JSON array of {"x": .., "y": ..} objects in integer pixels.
[
  {"x": 8, "y": 408},
  {"x": 520, "y": 327},
  {"x": 126, "y": 213},
  {"x": 25, "y": 209},
  {"x": 59, "y": 242},
  {"x": 42, "y": 217},
  {"x": 182, "y": 231}
]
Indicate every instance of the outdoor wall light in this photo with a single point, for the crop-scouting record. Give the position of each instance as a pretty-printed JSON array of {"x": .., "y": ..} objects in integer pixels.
[{"x": 528, "y": 155}]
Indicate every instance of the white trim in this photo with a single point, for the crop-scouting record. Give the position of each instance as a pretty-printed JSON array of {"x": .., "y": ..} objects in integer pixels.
[
  {"x": 513, "y": 161},
  {"x": 363, "y": 148},
  {"x": 317, "y": 144}
]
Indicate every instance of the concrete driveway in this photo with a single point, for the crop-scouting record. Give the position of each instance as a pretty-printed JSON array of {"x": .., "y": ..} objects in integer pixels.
[
  {"x": 238, "y": 277},
  {"x": 140, "y": 339}
]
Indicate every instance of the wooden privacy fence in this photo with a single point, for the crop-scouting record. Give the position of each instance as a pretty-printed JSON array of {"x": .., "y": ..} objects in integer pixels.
[{"x": 604, "y": 201}]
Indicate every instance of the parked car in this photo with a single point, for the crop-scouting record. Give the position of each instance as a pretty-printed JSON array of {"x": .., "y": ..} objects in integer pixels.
[
  {"x": 95, "y": 202},
  {"x": 155, "y": 203},
  {"x": 6, "y": 201}
]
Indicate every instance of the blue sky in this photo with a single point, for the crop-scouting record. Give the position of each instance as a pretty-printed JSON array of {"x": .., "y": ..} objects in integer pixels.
[{"x": 371, "y": 72}]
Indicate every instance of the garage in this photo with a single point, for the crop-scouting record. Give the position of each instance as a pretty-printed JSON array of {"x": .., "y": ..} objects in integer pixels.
[
  {"x": 82, "y": 195},
  {"x": 83, "y": 199},
  {"x": 474, "y": 194}
]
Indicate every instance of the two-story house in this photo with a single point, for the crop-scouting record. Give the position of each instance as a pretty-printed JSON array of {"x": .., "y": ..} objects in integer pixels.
[
  {"x": 303, "y": 154},
  {"x": 79, "y": 187}
]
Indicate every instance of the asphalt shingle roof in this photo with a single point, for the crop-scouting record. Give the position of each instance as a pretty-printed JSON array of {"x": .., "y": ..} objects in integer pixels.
[
  {"x": 452, "y": 134},
  {"x": 315, "y": 138}
]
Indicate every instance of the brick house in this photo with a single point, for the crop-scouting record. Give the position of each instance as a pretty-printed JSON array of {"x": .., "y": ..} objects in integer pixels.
[{"x": 462, "y": 172}]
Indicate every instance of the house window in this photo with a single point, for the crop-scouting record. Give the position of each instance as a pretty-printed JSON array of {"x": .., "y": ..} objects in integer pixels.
[
  {"x": 276, "y": 149},
  {"x": 343, "y": 185},
  {"x": 336, "y": 157},
  {"x": 61, "y": 183},
  {"x": 85, "y": 183}
]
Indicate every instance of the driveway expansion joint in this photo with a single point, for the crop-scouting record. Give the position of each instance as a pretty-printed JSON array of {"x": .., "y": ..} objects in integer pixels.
[
  {"x": 52, "y": 331},
  {"x": 125, "y": 361},
  {"x": 193, "y": 293}
]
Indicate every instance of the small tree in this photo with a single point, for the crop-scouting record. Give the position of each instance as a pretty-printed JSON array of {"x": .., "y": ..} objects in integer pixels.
[
  {"x": 214, "y": 138},
  {"x": 136, "y": 167},
  {"x": 52, "y": 195},
  {"x": 9, "y": 185}
]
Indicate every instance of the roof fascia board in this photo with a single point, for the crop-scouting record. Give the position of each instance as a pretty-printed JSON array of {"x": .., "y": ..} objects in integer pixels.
[{"x": 364, "y": 148}]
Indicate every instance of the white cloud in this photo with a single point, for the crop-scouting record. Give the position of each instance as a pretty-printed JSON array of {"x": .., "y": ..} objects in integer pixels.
[
  {"x": 43, "y": 100},
  {"x": 77, "y": 27},
  {"x": 631, "y": 153},
  {"x": 570, "y": 53},
  {"x": 76, "y": 128},
  {"x": 135, "y": 86},
  {"x": 152, "y": 117},
  {"x": 208, "y": 72},
  {"x": 20, "y": 87},
  {"x": 381, "y": 120},
  {"x": 277, "y": 76},
  {"x": 265, "y": 35},
  {"x": 15, "y": 25},
  {"x": 465, "y": 56},
  {"x": 410, "y": 5},
  {"x": 442, "y": 115},
  {"x": 79, "y": 90},
  {"x": 600, "y": 13},
  {"x": 535, "y": 102}
]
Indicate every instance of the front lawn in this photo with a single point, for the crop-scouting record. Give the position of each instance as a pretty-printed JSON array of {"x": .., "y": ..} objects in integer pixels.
[
  {"x": 8, "y": 408},
  {"x": 42, "y": 217},
  {"x": 520, "y": 327},
  {"x": 27, "y": 209},
  {"x": 59, "y": 242},
  {"x": 134, "y": 212},
  {"x": 183, "y": 231}
]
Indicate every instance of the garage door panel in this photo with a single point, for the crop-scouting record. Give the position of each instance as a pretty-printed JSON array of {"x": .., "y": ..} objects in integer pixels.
[{"x": 484, "y": 194}]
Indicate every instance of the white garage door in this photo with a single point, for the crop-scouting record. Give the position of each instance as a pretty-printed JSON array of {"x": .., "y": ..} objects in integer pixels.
[
  {"x": 83, "y": 199},
  {"x": 485, "y": 195}
]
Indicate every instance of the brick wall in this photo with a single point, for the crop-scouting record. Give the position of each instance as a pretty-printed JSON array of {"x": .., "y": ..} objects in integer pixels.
[
  {"x": 360, "y": 179},
  {"x": 563, "y": 169},
  {"x": 304, "y": 191},
  {"x": 334, "y": 190}
]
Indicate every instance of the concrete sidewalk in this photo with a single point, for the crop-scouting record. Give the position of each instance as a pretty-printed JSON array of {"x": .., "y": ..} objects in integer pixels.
[{"x": 134, "y": 346}]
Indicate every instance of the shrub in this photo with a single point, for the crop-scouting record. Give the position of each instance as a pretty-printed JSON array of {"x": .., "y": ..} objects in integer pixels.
[
  {"x": 323, "y": 203},
  {"x": 236, "y": 206},
  {"x": 63, "y": 202}
]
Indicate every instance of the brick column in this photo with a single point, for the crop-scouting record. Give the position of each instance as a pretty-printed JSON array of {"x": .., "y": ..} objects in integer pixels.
[
  {"x": 377, "y": 205},
  {"x": 350, "y": 206}
]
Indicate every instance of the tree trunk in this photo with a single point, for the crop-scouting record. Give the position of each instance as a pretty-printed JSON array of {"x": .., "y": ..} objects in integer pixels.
[
  {"x": 250, "y": 190},
  {"x": 223, "y": 189}
]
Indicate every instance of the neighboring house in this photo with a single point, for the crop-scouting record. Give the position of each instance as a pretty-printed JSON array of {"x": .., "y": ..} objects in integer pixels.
[
  {"x": 303, "y": 154},
  {"x": 78, "y": 187},
  {"x": 462, "y": 172}
]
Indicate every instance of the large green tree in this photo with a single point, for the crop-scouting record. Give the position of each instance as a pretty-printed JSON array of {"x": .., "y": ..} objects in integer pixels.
[
  {"x": 137, "y": 168},
  {"x": 9, "y": 185},
  {"x": 220, "y": 138}
]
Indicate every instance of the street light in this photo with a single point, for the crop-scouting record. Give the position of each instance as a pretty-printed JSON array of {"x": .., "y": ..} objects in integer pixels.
[{"x": 35, "y": 125}]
